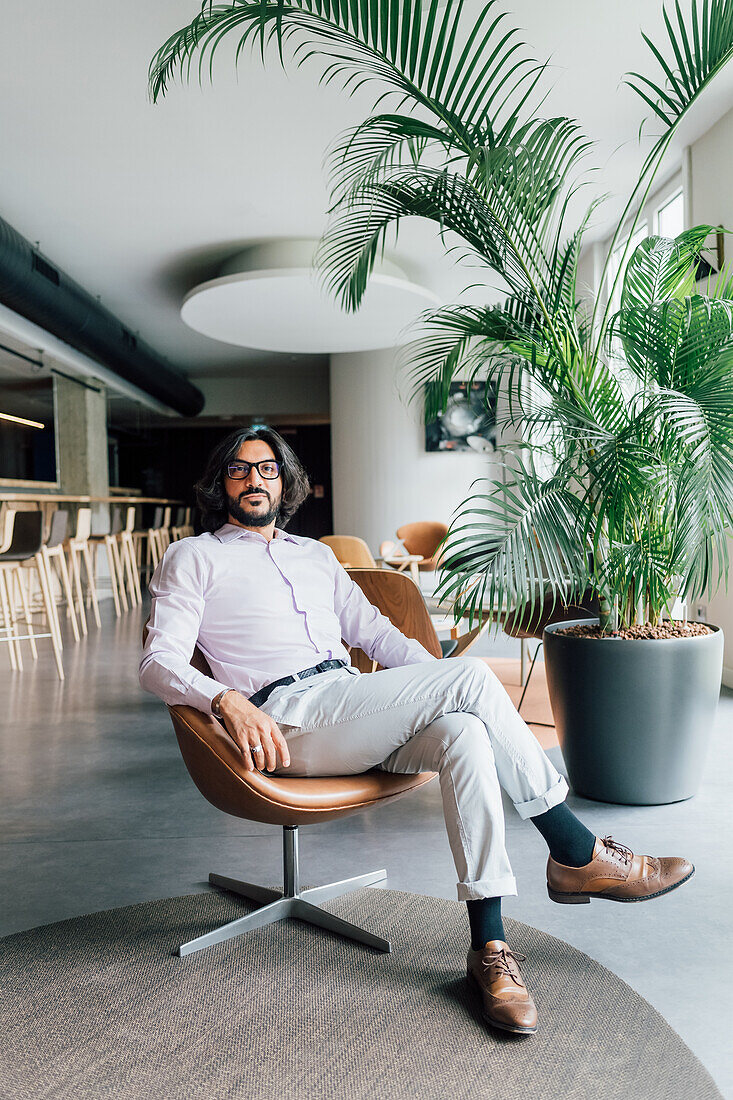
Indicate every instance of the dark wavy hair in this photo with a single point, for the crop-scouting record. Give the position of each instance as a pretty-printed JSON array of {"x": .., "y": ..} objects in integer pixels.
[{"x": 211, "y": 497}]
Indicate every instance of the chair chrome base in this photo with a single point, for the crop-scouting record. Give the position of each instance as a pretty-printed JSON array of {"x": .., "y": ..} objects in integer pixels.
[{"x": 292, "y": 902}]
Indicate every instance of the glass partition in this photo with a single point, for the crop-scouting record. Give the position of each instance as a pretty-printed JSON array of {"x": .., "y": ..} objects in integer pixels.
[{"x": 27, "y": 438}]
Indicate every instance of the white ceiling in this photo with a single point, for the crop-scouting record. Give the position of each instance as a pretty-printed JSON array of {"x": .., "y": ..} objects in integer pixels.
[{"x": 141, "y": 203}]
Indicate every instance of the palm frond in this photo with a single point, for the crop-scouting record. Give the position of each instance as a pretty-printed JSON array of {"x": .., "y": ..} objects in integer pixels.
[
  {"x": 698, "y": 48},
  {"x": 700, "y": 419},
  {"x": 699, "y": 540},
  {"x": 460, "y": 71},
  {"x": 722, "y": 286},
  {"x": 526, "y": 173},
  {"x": 706, "y": 330},
  {"x": 461, "y": 340},
  {"x": 584, "y": 404},
  {"x": 622, "y": 480},
  {"x": 701, "y": 48},
  {"x": 511, "y": 188},
  {"x": 513, "y": 543},
  {"x": 650, "y": 338},
  {"x": 661, "y": 268},
  {"x": 358, "y": 156},
  {"x": 356, "y": 236}
]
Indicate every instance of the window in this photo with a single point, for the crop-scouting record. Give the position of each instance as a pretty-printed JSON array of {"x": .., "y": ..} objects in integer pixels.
[
  {"x": 663, "y": 216},
  {"x": 670, "y": 216},
  {"x": 617, "y": 259}
]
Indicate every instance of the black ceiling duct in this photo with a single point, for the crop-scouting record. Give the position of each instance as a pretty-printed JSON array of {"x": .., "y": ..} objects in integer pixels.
[{"x": 42, "y": 293}]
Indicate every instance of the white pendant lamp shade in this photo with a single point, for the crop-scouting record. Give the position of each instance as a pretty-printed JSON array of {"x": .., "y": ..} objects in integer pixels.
[{"x": 268, "y": 297}]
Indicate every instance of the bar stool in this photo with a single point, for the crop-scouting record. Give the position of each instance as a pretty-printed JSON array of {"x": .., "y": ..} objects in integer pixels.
[
  {"x": 184, "y": 527},
  {"x": 128, "y": 559},
  {"x": 152, "y": 551},
  {"x": 178, "y": 530},
  {"x": 7, "y": 626},
  {"x": 113, "y": 542},
  {"x": 159, "y": 539},
  {"x": 111, "y": 545},
  {"x": 6, "y": 529},
  {"x": 78, "y": 548},
  {"x": 53, "y": 554},
  {"x": 155, "y": 552},
  {"x": 164, "y": 535},
  {"x": 25, "y": 551}
]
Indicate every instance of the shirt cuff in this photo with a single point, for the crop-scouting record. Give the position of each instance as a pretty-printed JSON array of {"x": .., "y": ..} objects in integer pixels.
[{"x": 201, "y": 696}]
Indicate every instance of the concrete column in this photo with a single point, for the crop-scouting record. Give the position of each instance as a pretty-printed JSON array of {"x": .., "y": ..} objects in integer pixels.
[
  {"x": 81, "y": 443},
  {"x": 382, "y": 475}
]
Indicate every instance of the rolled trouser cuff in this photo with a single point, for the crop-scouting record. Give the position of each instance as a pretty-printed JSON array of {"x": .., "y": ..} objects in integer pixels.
[
  {"x": 556, "y": 794},
  {"x": 487, "y": 888}
]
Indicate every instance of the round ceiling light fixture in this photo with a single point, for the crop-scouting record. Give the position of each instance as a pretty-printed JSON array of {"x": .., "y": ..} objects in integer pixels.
[{"x": 267, "y": 297}]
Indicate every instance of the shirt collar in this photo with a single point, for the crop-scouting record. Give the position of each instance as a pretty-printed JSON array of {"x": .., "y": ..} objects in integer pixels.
[{"x": 229, "y": 532}]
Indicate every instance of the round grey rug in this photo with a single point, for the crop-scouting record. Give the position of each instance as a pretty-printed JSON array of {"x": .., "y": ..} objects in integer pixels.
[{"x": 99, "y": 1007}]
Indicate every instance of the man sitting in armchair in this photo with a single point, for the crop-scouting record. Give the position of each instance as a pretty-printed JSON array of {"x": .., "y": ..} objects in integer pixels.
[{"x": 271, "y": 612}]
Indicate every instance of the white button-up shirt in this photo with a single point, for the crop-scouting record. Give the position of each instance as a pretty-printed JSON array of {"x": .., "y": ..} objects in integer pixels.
[{"x": 258, "y": 611}]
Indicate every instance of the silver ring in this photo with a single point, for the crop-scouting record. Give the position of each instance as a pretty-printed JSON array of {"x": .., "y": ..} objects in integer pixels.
[{"x": 257, "y": 749}]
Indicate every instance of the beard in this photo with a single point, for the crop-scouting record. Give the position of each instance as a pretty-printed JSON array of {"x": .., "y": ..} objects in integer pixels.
[{"x": 249, "y": 517}]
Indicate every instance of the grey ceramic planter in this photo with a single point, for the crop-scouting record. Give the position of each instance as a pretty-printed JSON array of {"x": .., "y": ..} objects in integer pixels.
[{"x": 633, "y": 716}]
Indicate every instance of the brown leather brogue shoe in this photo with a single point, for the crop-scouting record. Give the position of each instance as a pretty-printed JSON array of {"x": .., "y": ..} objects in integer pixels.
[
  {"x": 616, "y": 874},
  {"x": 508, "y": 1004}
]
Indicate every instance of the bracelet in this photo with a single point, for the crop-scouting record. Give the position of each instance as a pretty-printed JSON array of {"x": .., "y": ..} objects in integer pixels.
[{"x": 216, "y": 702}]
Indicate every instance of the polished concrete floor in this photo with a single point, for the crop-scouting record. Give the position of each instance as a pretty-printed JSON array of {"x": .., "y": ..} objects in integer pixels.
[{"x": 97, "y": 811}]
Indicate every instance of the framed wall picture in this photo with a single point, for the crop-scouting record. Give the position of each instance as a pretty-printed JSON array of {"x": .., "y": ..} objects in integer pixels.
[{"x": 469, "y": 421}]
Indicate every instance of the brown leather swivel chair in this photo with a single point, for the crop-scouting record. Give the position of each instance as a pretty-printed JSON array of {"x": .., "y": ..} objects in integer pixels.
[{"x": 215, "y": 764}]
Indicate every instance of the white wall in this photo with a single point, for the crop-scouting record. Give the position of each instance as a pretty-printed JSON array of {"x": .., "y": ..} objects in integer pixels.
[
  {"x": 720, "y": 612},
  {"x": 712, "y": 170},
  {"x": 712, "y": 202},
  {"x": 382, "y": 475}
]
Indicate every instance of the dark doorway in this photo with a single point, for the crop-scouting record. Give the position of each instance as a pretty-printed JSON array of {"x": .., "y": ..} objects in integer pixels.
[
  {"x": 312, "y": 445},
  {"x": 165, "y": 461}
]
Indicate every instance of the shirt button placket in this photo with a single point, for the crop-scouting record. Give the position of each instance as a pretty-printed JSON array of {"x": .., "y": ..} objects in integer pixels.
[{"x": 290, "y": 585}]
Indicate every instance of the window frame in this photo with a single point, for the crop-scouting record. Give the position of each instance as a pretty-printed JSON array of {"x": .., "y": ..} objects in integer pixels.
[{"x": 648, "y": 220}]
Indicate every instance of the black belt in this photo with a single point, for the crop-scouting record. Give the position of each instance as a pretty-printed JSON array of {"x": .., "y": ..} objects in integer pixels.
[{"x": 265, "y": 692}]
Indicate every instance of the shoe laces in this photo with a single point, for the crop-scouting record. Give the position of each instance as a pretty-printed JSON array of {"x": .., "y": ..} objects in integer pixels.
[
  {"x": 620, "y": 849},
  {"x": 501, "y": 960}
]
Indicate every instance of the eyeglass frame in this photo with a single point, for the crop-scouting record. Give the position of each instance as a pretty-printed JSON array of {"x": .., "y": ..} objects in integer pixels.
[{"x": 255, "y": 466}]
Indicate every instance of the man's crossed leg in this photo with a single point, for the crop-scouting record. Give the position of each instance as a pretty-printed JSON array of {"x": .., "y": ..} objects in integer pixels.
[{"x": 455, "y": 718}]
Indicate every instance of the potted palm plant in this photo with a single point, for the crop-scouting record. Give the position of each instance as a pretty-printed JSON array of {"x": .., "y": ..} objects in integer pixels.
[{"x": 623, "y": 482}]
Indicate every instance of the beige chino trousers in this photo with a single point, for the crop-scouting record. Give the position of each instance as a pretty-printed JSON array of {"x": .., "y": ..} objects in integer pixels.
[{"x": 452, "y": 717}]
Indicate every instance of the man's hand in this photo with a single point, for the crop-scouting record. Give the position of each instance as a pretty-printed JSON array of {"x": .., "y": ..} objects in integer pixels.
[{"x": 252, "y": 729}]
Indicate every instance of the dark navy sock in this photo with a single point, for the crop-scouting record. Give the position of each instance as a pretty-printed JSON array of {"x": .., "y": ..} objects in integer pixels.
[
  {"x": 567, "y": 838},
  {"x": 484, "y": 916}
]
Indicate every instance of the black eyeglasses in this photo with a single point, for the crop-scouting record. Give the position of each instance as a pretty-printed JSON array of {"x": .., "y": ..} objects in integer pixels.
[{"x": 268, "y": 469}]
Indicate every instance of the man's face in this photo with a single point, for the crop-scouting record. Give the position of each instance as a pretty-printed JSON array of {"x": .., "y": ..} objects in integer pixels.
[{"x": 253, "y": 501}]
